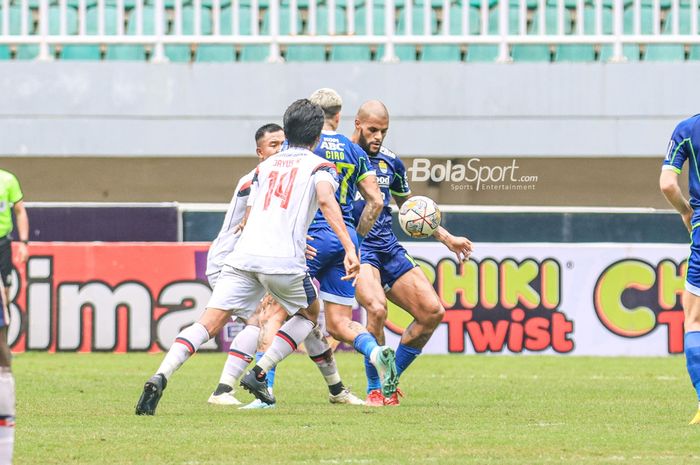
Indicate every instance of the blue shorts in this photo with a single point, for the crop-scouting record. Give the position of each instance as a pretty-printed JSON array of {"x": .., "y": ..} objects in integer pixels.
[
  {"x": 390, "y": 259},
  {"x": 692, "y": 277},
  {"x": 327, "y": 267}
]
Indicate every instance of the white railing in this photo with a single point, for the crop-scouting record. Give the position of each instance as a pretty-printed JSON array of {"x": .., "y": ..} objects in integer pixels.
[{"x": 280, "y": 24}]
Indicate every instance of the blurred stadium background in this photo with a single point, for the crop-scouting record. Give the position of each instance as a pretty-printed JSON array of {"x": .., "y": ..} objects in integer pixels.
[{"x": 129, "y": 121}]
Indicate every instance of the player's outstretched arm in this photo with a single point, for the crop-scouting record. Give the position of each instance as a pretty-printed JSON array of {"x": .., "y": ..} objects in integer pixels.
[
  {"x": 325, "y": 193},
  {"x": 668, "y": 182},
  {"x": 461, "y": 246},
  {"x": 373, "y": 204}
]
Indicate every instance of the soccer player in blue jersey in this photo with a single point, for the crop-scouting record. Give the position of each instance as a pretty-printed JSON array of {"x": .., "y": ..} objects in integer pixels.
[
  {"x": 355, "y": 174},
  {"x": 684, "y": 146},
  {"x": 387, "y": 270}
]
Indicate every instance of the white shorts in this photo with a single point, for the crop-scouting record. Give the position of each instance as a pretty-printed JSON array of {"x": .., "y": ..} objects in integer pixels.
[{"x": 240, "y": 291}]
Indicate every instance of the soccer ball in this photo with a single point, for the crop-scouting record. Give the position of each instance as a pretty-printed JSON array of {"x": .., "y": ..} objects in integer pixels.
[{"x": 419, "y": 217}]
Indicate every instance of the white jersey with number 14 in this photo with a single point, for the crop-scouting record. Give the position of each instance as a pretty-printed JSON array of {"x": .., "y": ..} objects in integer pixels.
[{"x": 283, "y": 203}]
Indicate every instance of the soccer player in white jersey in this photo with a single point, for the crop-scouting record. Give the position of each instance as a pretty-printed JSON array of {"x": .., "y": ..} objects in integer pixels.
[
  {"x": 287, "y": 190},
  {"x": 269, "y": 315},
  {"x": 7, "y": 388},
  {"x": 269, "y": 139}
]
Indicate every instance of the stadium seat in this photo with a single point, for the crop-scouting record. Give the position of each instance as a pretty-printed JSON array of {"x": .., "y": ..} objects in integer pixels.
[
  {"x": 453, "y": 52},
  {"x": 134, "y": 52},
  {"x": 92, "y": 52},
  {"x": 551, "y": 26},
  {"x": 318, "y": 52},
  {"x": 631, "y": 51},
  {"x": 481, "y": 52},
  {"x": 262, "y": 52},
  {"x": 407, "y": 52},
  {"x": 24, "y": 52},
  {"x": 182, "y": 53},
  {"x": 360, "y": 52},
  {"x": 585, "y": 52},
  {"x": 530, "y": 4},
  {"x": 670, "y": 52},
  {"x": 223, "y": 52},
  {"x": 55, "y": 21}
]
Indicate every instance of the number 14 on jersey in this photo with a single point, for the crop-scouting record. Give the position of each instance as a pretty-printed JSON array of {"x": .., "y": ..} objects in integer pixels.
[{"x": 280, "y": 186}]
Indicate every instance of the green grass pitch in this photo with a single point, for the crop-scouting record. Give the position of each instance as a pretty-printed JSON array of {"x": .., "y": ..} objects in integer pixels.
[{"x": 79, "y": 409}]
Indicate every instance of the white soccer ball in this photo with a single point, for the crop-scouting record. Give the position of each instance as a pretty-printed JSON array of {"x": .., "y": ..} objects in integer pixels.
[{"x": 419, "y": 217}]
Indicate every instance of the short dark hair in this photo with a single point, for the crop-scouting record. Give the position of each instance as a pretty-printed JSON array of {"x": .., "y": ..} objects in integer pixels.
[
  {"x": 266, "y": 129},
  {"x": 303, "y": 122}
]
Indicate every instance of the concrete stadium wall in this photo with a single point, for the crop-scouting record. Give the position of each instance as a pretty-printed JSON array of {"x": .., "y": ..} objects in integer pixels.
[
  {"x": 438, "y": 109},
  {"x": 592, "y": 134}
]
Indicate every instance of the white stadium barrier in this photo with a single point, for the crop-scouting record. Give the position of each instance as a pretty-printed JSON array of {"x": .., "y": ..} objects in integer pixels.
[{"x": 504, "y": 23}]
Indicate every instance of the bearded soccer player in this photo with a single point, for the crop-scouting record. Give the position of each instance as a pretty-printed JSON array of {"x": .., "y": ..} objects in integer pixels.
[
  {"x": 683, "y": 146},
  {"x": 387, "y": 270},
  {"x": 355, "y": 175},
  {"x": 286, "y": 191}
]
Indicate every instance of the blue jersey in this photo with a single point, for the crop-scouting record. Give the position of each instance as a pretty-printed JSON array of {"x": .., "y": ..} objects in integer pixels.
[
  {"x": 391, "y": 177},
  {"x": 685, "y": 144},
  {"x": 352, "y": 165}
]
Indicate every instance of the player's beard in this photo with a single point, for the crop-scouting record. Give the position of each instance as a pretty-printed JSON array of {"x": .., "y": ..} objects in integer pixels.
[{"x": 362, "y": 142}]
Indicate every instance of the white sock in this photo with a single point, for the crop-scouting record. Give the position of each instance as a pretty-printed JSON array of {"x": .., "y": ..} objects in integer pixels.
[
  {"x": 186, "y": 343},
  {"x": 321, "y": 353},
  {"x": 7, "y": 415},
  {"x": 289, "y": 336},
  {"x": 240, "y": 355}
]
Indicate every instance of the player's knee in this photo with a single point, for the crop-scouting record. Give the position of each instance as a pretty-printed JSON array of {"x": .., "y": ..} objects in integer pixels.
[
  {"x": 433, "y": 313},
  {"x": 334, "y": 330},
  {"x": 376, "y": 310}
]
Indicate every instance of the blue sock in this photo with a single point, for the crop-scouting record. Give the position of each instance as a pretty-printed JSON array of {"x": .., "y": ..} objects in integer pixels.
[
  {"x": 270, "y": 375},
  {"x": 365, "y": 344},
  {"x": 373, "y": 381},
  {"x": 405, "y": 355},
  {"x": 692, "y": 358}
]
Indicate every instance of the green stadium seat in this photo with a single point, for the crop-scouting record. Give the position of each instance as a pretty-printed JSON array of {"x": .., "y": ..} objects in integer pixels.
[
  {"x": 477, "y": 3},
  {"x": 452, "y": 52},
  {"x": 262, "y": 52},
  {"x": 88, "y": 3},
  {"x": 55, "y": 21},
  {"x": 134, "y": 52},
  {"x": 631, "y": 51},
  {"x": 223, "y": 52},
  {"x": 23, "y": 52},
  {"x": 670, "y": 52},
  {"x": 407, "y": 52},
  {"x": 318, "y": 52},
  {"x": 4, "y": 49},
  {"x": 360, "y": 52},
  {"x": 182, "y": 53},
  {"x": 530, "y": 4},
  {"x": 480, "y": 52},
  {"x": 92, "y": 52},
  {"x": 585, "y": 52},
  {"x": 551, "y": 21}
]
